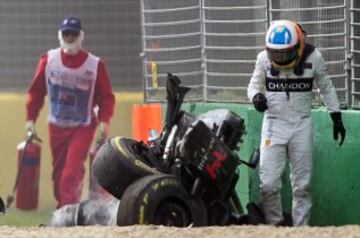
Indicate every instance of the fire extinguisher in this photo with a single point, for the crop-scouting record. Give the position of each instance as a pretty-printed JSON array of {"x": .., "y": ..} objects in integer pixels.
[
  {"x": 28, "y": 173},
  {"x": 96, "y": 191}
]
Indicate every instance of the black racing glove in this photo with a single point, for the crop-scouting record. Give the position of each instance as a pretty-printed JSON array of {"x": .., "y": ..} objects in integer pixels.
[
  {"x": 260, "y": 102},
  {"x": 338, "y": 126}
]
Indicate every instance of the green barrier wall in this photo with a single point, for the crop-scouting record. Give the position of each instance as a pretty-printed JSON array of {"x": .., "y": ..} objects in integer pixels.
[
  {"x": 336, "y": 177},
  {"x": 13, "y": 132}
]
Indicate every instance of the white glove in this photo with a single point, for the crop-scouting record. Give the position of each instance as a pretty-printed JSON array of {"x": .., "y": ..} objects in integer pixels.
[
  {"x": 30, "y": 127},
  {"x": 104, "y": 130}
]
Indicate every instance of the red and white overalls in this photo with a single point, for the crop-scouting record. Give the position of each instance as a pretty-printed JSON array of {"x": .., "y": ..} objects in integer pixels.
[{"x": 75, "y": 84}]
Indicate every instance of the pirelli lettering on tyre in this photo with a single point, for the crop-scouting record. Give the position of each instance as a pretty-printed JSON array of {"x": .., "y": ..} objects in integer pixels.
[
  {"x": 163, "y": 183},
  {"x": 167, "y": 182},
  {"x": 145, "y": 167},
  {"x": 289, "y": 85}
]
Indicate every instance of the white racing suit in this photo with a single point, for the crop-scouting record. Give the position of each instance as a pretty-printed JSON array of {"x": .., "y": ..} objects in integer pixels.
[{"x": 287, "y": 131}]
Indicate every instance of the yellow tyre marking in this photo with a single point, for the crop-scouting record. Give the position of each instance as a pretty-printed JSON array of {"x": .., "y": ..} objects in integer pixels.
[
  {"x": 136, "y": 162},
  {"x": 141, "y": 215},
  {"x": 118, "y": 146}
]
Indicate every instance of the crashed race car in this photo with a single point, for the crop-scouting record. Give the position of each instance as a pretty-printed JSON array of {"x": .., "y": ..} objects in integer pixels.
[{"x": 184, "y": 176}]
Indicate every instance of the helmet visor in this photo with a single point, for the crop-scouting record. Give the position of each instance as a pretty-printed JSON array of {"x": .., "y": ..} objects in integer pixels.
[{"x": 283, "y": 56}]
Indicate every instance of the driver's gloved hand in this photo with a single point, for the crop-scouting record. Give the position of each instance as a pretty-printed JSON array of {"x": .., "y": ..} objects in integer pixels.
[
  {"x": 260, "y": 102},
  {"x": 338, "y": 127}
]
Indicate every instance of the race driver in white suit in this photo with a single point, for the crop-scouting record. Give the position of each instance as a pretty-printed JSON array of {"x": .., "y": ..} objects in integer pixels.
[{"x": 281, "y": 86}]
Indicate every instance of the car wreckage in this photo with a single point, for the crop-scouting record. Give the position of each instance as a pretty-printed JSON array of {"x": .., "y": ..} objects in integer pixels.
[{"x": 184, "y": 176}]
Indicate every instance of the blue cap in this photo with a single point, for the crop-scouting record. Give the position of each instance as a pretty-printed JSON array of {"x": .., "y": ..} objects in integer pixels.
[{"x": 70, "y": 23}]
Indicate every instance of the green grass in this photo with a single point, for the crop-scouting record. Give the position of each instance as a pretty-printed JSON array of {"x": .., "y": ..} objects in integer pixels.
[{"x": 15, "y": 217}]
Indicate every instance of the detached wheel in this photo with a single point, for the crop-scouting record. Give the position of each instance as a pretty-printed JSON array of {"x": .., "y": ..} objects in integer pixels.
[
  {"x": 118, "y": 163},
  {"x": 160, "y": 200}
]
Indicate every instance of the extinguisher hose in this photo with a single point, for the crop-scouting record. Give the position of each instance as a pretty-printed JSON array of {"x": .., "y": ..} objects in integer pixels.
[{"x": 30, "y": 136}]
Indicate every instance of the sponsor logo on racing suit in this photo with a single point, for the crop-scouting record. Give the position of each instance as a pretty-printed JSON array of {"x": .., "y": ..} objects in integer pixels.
[{"x": 289, "y": 85}]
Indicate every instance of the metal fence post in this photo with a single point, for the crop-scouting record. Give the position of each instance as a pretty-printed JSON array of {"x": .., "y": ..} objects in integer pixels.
[
  {"x": 203, "y": 51},
  {"x": 348, "y": 54}
]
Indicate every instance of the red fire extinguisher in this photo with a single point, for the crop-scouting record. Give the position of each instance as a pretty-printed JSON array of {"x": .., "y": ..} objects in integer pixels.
[{"x": 28, "y": 174}]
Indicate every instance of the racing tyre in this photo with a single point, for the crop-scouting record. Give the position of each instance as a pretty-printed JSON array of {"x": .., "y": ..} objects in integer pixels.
[
  {"x": 160, "y": 200},
  {"x": 118, "y": 163}
]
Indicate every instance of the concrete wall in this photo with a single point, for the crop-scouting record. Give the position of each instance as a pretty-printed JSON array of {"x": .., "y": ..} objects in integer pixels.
[
  {"x": 12, "y": 132},
  {"x": 336, "y": 178}
]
